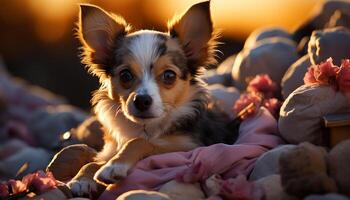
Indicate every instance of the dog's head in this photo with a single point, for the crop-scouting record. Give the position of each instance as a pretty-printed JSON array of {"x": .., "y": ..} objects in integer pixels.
[{"x": 148, "y": 73}]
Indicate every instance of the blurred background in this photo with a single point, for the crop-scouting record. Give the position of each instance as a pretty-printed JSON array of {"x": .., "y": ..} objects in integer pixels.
[{"x": 37, "y": 39}]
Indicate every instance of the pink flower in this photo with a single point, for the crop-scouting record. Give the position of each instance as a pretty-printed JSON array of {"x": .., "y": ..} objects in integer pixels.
[
  {"x": 17, "y": 186},
  {"x": 323, "y": 74},
  {"x": 262, "y": 84},
  {"x": 244, "y": 101},
  {"x": 343, "y": 78},
  {"x": 326, "y": 72},
  {"x": 40, "y": 181},
  {"x": 4, "y": 190},
  {"x": 273, "y": 105},
  {"x": 309, "y": 77}
]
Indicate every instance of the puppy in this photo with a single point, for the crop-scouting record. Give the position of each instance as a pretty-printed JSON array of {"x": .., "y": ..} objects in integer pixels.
[{"x": 151, "y": 99}]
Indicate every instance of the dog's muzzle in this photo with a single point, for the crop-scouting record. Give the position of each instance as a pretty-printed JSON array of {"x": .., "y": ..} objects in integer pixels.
[{"x": 143, "y": 102}]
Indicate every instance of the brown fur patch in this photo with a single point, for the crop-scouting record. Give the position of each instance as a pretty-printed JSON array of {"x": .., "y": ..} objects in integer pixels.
[
  {"x": 194, "y": 29},
  {"x": 175, "y": 94},
  {"x": 162, "y": 64},
  {"x": 117, "y": 89},
  {"x": 97, "y": 31},
  {"x": 139, "y": 148}
]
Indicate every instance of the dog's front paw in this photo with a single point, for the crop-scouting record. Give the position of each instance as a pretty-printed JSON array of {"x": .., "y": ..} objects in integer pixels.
[
  {"x": 112, "y": 173},
  {"x": 83, "y": 187}
]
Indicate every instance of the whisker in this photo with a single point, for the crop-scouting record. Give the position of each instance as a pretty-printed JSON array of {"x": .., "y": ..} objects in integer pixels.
[
  {"x": 117, "y": 111},
  {"x": 110, "y": 108}
]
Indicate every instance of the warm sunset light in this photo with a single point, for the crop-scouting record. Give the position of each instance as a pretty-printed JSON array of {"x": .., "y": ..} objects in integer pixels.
[
  {"x": 174, "y": 99},
  {"x": 52, "y": 17},
  {"x": 236, "y": 18}
]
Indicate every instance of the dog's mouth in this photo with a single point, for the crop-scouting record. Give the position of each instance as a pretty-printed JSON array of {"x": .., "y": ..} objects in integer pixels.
[{"x": 145, "y": 116}]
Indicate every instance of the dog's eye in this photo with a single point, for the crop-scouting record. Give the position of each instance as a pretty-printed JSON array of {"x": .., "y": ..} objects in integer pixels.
[
  {"x": 125, "y": 77},
  {"x": 169, "y": 77}
]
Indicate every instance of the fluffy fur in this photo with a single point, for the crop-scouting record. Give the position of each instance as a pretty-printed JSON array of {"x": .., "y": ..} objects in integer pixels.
[{"x": 159, "y": 69}]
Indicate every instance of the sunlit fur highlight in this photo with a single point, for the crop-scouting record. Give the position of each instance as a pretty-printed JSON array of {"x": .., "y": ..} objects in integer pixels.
[
  {"x": 143, "y": 48},
  {"x": 210, "y": 48},
  {"x": 183, "y": 103},
  {"x": 186, "y": 120},
  {"x": 114, "y": 25}
]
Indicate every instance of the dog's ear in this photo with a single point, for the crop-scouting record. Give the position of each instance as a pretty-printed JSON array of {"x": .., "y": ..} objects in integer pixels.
[
  {"x": 98, "y": 31},
  {"x": 194, "y": 30}
]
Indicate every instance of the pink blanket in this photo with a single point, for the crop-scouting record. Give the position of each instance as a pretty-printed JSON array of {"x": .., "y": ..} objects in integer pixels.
[{"x": 257, "y": 135}]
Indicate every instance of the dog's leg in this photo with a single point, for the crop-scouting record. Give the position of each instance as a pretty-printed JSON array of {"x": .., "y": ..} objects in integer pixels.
[
  {"x": 83, "y": 183},
  {"x": 117, "y": 167},
  {"x": 137, "y": 149}
]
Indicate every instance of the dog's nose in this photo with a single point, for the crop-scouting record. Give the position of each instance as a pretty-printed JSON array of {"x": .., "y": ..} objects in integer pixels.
[{"x": 143, "y": 102}]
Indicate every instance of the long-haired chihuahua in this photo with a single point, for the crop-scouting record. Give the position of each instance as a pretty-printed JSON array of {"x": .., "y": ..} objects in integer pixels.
[{"x": 151, "y": 99}]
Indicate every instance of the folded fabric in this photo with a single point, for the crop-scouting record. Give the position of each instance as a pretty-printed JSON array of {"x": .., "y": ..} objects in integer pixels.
[
  {"x": 338, "y": 166},
  {"x": 54, "y": 120},
  {"x": 324, "y": 92},
  {"x": 224, "y": 97},
  {"x": 257, "y": 135},
  {"x": 271, "y": 56},
  {"x": 21, "y": 99},
  {"x": 323, "y": 17},
  {"x": 333, "y": 42},
  {"x": 35, "y": 157},
  {"x": 263, "y": 33},
  {"x": 301, "y": 113},
  {"x": 267, "y": 164},
  {"x": 293, "y": 78}
]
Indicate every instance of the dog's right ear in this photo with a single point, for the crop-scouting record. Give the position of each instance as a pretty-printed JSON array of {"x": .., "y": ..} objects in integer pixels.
[
  {"x": 195, "y": 32},
  {"x": 98, "y": 32}
]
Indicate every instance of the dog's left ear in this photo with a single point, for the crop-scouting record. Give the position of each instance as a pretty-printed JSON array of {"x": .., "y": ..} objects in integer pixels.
[
  {"x": 194, "y": 30},
  {"x": 98, "y": 32}
]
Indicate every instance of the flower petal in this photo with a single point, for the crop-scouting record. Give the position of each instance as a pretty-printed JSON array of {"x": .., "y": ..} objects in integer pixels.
[
  {"x": 326, "y": 72},
  {"x": 309, "y": 77},
  {"x": 40, "y": 181},
  {"x": 343, "y": 78},
  {"x": 245, "y": 100},
  {"x": 273, "y": 105},
  {"x": 4, "y": 190},
  {"x": 17, "y": 186},
  {"x": 262, "y": 84}
]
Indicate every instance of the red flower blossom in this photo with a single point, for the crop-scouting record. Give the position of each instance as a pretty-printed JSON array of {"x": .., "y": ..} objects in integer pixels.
[
  {"x": 273, "y": 105},
  {"x": 329, "y": 74},
  {"x": 323, "y": 74},
  {"x": 245, "y": 100},
  {"x": 309, "y": 77},
  {"x": 343, "y": 78},
  {"x": 262, "y": 84},
  {"x": 17, "y": 186},
  {"x": 326, "y": 72},
  {"x": 40, "y": 181},
  {"x": 4, "y": 190}
]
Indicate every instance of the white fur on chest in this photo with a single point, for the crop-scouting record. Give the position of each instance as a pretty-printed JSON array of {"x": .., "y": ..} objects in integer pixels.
[{"x": 122, "y": 129}]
